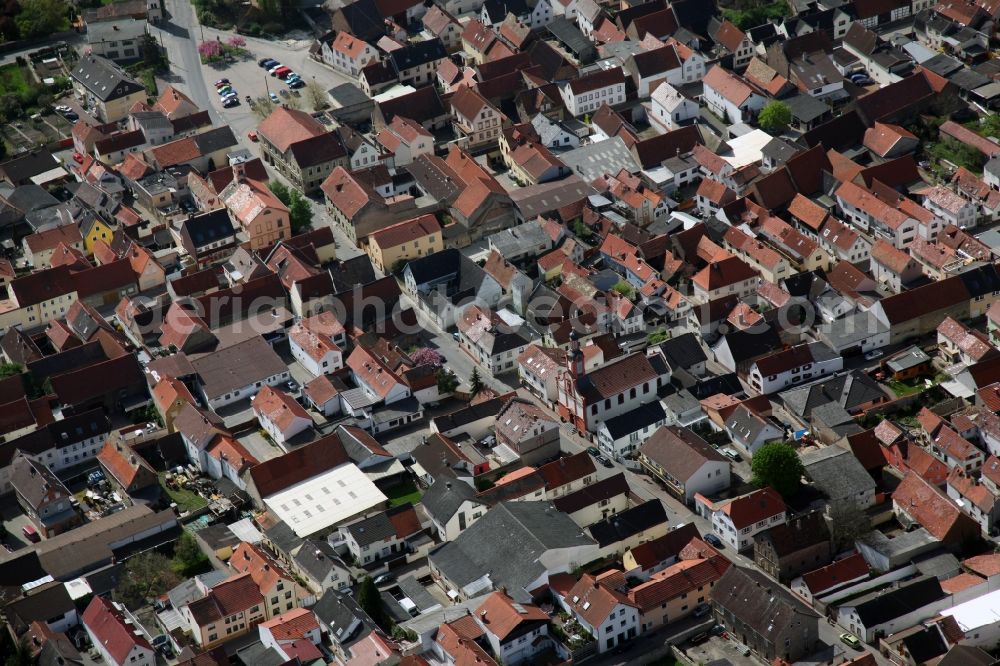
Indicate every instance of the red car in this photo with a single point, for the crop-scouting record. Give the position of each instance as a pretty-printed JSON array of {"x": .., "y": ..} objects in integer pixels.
[
  {"x": 78, "y": 158},
  {"x": 252, "y": 135}
]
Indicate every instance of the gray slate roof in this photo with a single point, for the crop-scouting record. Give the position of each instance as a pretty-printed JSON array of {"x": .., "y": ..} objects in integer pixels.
[
  {"x": 761, "y": 603},
  {"x": 837, "y": 473},
  {"x": 444, "y": 497},
  {"x": 104, "y": 80},
  {"x": 506, "y": 544}
]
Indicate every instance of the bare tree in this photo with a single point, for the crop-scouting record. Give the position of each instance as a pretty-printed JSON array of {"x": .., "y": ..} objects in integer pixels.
[
  {"x": 316, "y": 96},
  {"x": 847, "y": 523},
  {"x": 263, "y": 106}
]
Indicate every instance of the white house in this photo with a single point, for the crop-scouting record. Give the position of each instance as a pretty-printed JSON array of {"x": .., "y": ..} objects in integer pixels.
[
  {"x": 315, "y": 351},
  {"x": 729, "y": 97},
  {"x": 591, "y": 91},
  {"x": 382, "y": 535},
  {"x": 609, "y": 616},
  {"x": 750, "y": 431},
  {"x": 624, "y": 434},
  {"x": 452, "y": 507},
  {"x": 737, "y": 520},
  {"x": 116, "y": 634},
  {"x": 789, "y": 367},
  {"x": 119, "y": 39},
  {"x": 226, "y": 377},
  {"x": 284, "y": 634},
  {"x": 951, "y": 207},
  {"x": 348, "y": 54},
  {"x": 873, "y": 215},
  {"x": 685, "y": 463},
  {"x": 516, "y": 632},
  {"x": 669, "y": 108},
  {"x": 280, "y": 415},
  {"x": 490, "y": 339}
]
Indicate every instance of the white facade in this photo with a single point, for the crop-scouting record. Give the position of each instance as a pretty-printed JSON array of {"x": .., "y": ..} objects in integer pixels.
[
  {"x": 279, "y": 434},
  {"x": 590, "y": 101},
  {"x": 243, "y": 393},
  {"x": 669, "y": 108},
  {"x": 741, "y": 539},
  {"x": 737, "y": 113},
  {"x": 765, "y": 385},
  {"x": 626, "y": 443},
  {"x": 467, "y": 514},
  {"x": 118, "y": 40},
  {"x": 331, "y": 361},
  {"x": 137, "y": 656}
]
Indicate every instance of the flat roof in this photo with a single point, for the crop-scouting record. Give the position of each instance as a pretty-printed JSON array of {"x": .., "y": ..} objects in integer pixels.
[
  {"x": 977, "y": 612},
  {"x": 325, "y": 500},
  {"x": 747, "y": 148}
]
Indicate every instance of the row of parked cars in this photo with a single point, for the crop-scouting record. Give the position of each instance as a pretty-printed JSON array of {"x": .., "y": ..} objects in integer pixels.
[{"x": 283, "y": 72}]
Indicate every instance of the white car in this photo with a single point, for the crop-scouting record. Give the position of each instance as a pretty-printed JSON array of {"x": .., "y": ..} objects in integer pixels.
[
  {"x": 873, "y": 354},
  {"x": 62, "y": 108}
]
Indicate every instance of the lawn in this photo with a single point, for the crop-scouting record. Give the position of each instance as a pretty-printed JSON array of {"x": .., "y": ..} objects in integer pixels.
[
  {"x": 905, "y": 388},
  {"x": 403, "y": 493},
  {"x": 12, "y": 79},
  {"x": 186, "y": 499}
]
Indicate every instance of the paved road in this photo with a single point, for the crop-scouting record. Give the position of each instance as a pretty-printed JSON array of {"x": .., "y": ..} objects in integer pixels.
[{"x": 177, "y": 34}]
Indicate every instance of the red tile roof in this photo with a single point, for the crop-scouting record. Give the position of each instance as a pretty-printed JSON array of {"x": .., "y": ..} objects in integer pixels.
[
  {"x": 287, "y": 126},
  {"x": 567, "y": 470},
  {"x": 107, "y": 624},
  {"x": 500, "y": 616},
  {"x": 278, "y": 407},
  {"x": 838, "y": 573},
  {"x": 754, "y": 507},
  {"x": 931, "y": 508}
]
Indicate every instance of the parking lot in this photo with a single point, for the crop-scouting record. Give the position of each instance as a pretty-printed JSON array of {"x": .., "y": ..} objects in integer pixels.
[{"x": 247, "y": 78}]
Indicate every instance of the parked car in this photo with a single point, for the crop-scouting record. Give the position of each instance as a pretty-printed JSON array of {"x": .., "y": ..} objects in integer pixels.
[
  {"x": 78, "y": 158},
  {"x": 604, "y": 461},
  {"x": 852, "y": 640},
  {"x": 298, "y": 83},
  {"x": 384, "y": 578},
  {"x": 732, "y": 454},
  {"x": 593, "y": 450},
  {"x": 292, "y": 385},
  {"x": 71, "y": 115},
  {"x": 702, "y": 610},
  {"x": 95, "y": 477},
  {"x": 283, "y": 73},
  {"x": 698, "y": 639},
  {"x": 292, "y": 77},
  {"x": 274, "y": 98},
  {"x": 274, "y": 68},
  {"x": 31, "y": 534},
  {"x": 159, "y": 640},
  {"x": 62, "y": 108},
  {"x": 874, "y": 354},
  {"x": 224, "y": 89},
  {"x": 252, "y": 135},
  {"x": 717, "y": 630},
  {"x": 713, "y": 540},
  {"x": 221, "y": 82},
  {"x": 267, "y": 62},
  {"x": 230, "y": 102}
]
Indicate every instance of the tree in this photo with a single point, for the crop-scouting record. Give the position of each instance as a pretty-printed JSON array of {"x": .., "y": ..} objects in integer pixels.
[
  {"x": 280, "y": 190},
  {"x": 623, "y": 288},
  {"x": 427, "y": 356},
  {"x": 581, "y": 230},
  {"x": 263, "y": 106},
  {"x": 847, "y": 523},
  {"x": 237, "y": 42},
  {"x": 476, "y": 382},
  {"x": 300, "y": 212},
  {"x": 20, "y": 653},
  {"x": 147, "y": 575},
  {"x": 777, "y": 464},
  {"x": 210, "y": 50},
  {"x": 447, "y": 382},
  {"x": 10, "y": 369},
  {"x": 189, "y": 559},
  {"x": 657, "y": 336},
  {"x": 41, "y": 17},
  {"x": 775, "y": 116},
  {"x": 316, "y": 96},
  {"x": 371, "y": 602}
]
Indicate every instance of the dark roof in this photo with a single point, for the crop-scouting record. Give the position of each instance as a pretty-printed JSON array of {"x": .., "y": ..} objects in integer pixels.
[
  {"x": 682, "y": 351},
  {"x": 604, "y": 489},
  {"x": 421, "y": 106},
  {"x": 884, "y": 605},
  {"x": 849, "y": 390},
  {"x": 340, "y": 612},
  {"x": 201, "y": 230},
  {"x": 42, "y": 603},
  {"x": 628, "y": 523},
  {"x": 297, "y": 465},
  {"x": 497, "y": 10},
  {"x": 636, "y": 419},
  {"x": 666, "y": 547},
  {"x": 803, "y": 532},
  {"x": 416, "y": 54},
  {"x": 105, "y": 80},
  {"x": 444, "y": 498},
  {"x": 745, "y": 345},
  {"x": 925, "y": 644},
  {"x": 761, "y": 603}
]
